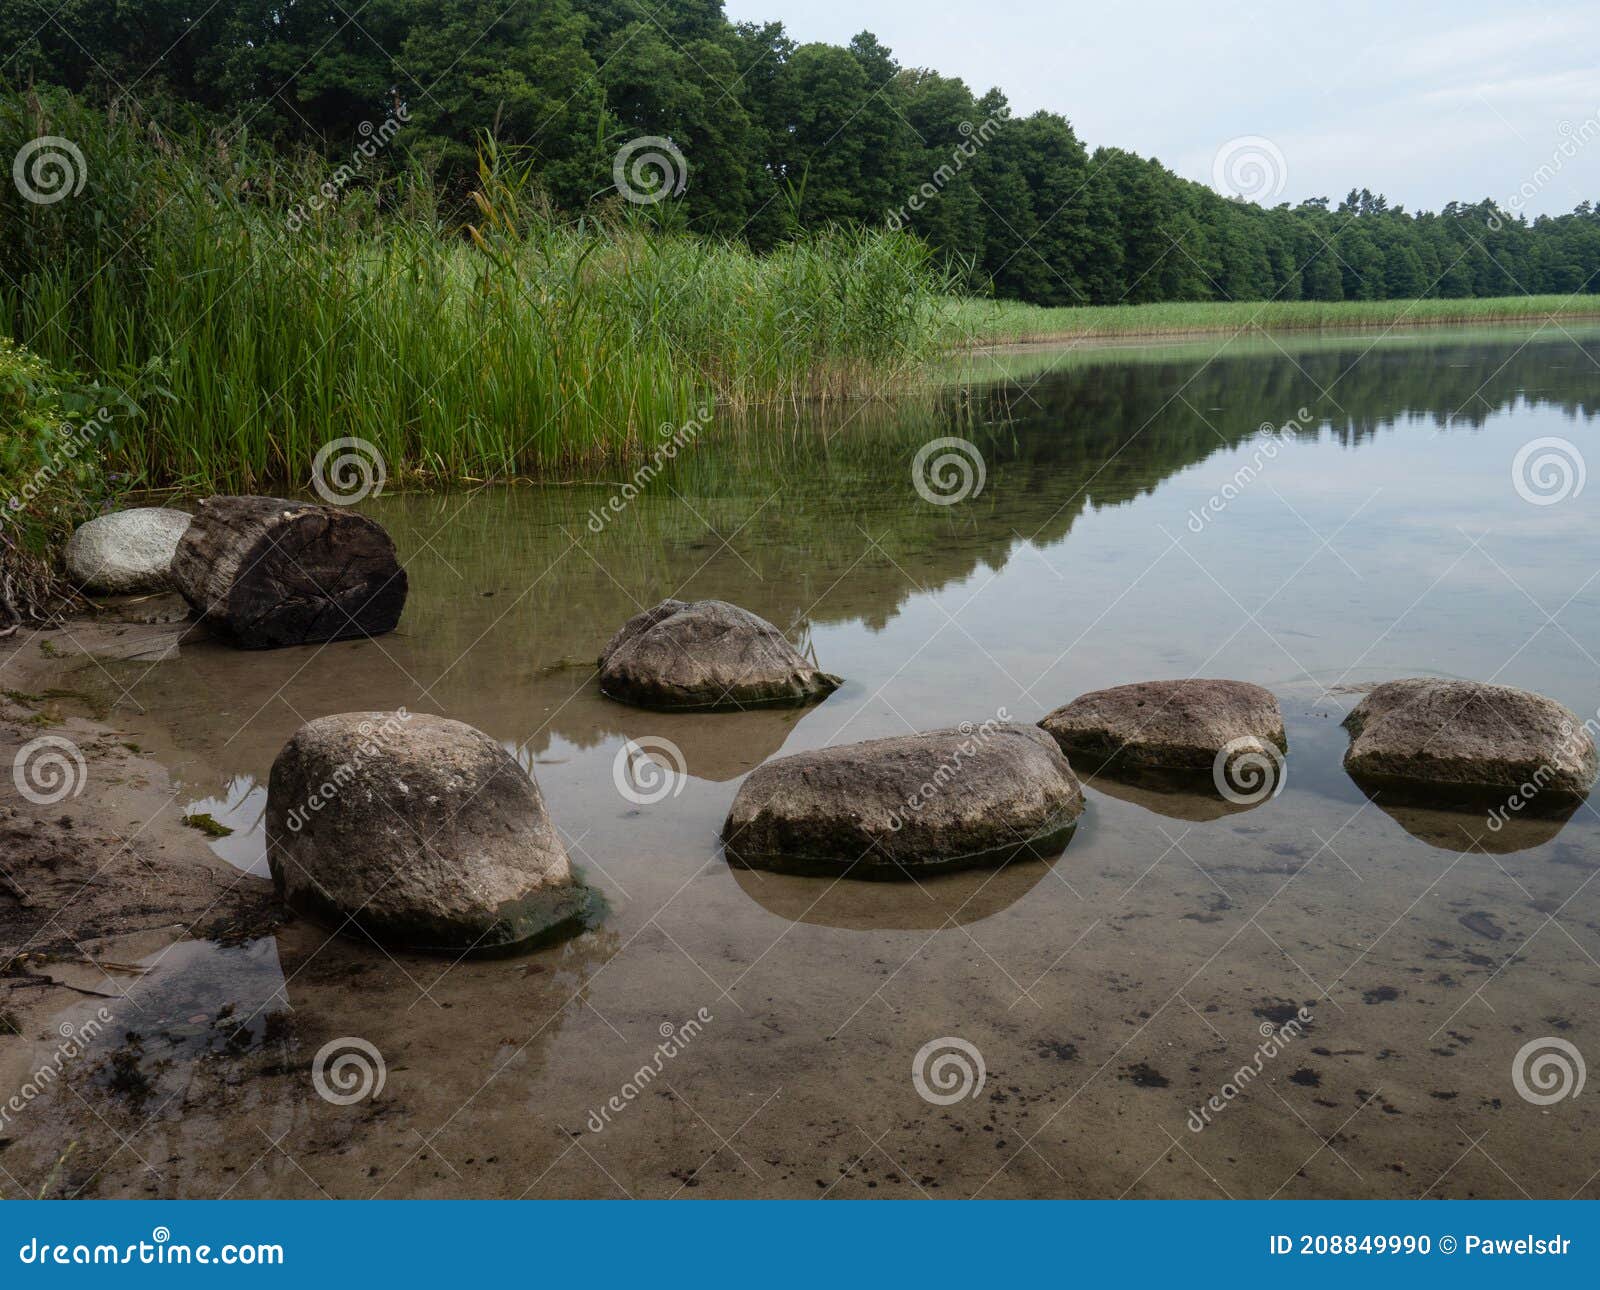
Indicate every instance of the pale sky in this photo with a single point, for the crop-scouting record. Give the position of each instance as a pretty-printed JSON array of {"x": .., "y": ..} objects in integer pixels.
[{"x": 1424, "y": 102}]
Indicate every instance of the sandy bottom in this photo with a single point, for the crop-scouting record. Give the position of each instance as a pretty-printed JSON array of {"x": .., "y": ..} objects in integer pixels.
[{"x": 1108, "y": 995}]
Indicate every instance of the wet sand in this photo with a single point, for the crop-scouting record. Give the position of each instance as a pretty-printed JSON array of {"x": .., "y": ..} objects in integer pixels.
[{"x": 1110, "y": 994}]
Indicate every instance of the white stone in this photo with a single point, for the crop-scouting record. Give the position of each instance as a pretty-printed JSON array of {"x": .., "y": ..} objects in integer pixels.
[{"x": 125, "y": 552}]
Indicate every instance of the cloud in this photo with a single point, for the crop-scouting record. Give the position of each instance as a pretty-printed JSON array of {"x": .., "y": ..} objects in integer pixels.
[{"x": 1427, "y": 104}]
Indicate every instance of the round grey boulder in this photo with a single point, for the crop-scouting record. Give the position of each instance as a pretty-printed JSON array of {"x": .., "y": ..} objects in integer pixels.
[
  {"x": 419, "y": 831},
  {"x": 704, "y": 656},
  {"x": 1460, "y": 741},
  {"x": 907, "y": 805},
  {"x": 1167, "y": 725},
  {"x": 126, "y": 552}
]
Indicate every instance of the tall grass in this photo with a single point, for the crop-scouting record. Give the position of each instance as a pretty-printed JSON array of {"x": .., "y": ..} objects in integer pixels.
[
  {"x": 487, "y": 342},
  {"x": 993, "y": 322}
]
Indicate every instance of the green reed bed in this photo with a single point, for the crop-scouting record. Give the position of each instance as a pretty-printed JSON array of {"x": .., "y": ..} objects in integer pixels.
[
  {"x": 992, "y": 322},
  {"x": 480, "y": 339}
]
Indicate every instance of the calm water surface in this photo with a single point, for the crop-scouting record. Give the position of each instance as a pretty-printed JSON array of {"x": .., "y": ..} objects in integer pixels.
[{"x": 1137, "y": 520}]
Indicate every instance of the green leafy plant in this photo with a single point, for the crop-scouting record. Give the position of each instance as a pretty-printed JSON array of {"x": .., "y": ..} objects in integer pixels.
[{"x": 56, "y": 433}]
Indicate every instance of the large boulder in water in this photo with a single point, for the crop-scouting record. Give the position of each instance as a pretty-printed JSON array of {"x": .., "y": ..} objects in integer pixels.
[
  {"x": 1167, "y": 725},
  {"x": 907, "y": 805},
  {"x": 706, "y": 655},
  {"x": 420, "y": 831},
  {"x": 1465, "y": 741},
  {"x": 126, "y": 552}
]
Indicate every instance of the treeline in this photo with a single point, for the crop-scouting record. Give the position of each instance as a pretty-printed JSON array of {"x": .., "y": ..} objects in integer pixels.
[{"x": 776, "y": 136}]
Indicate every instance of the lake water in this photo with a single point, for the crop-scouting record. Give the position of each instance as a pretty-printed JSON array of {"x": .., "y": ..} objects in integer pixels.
[{"x": 1140, "y": 517}]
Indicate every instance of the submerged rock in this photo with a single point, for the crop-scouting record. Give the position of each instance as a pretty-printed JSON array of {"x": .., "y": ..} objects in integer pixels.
[
  {"x": 907, "y": 805},
  {"x": 420, "y": 831},
  {"x": 706, "y": 655},
  {"x": 126, "y": 552},
  {"x": 1165, "y": 725},
  {"x": 1464, "y": 741}
]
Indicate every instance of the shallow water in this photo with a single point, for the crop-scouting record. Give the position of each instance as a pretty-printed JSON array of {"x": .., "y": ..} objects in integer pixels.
[{"x": 1109, "y": 993}]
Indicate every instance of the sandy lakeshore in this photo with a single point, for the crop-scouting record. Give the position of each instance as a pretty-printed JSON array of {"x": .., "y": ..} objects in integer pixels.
[{"x": 197, "y": 1008}]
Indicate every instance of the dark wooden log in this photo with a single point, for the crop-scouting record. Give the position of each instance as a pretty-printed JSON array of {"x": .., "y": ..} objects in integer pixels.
[{"x": 270, "y": 572}]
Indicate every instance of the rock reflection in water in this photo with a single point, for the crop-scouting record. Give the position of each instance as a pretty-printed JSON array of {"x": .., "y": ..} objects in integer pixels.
[
  {"x": 717, "y": 746},
  {"x": 1462, "y": 826},
  {"x": 1177, "y": 796},
  {"x": 943, "y": 900}
]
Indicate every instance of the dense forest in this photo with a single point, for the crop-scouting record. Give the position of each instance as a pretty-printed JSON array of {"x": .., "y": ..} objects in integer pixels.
[{"x": 773, "y": 136}]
